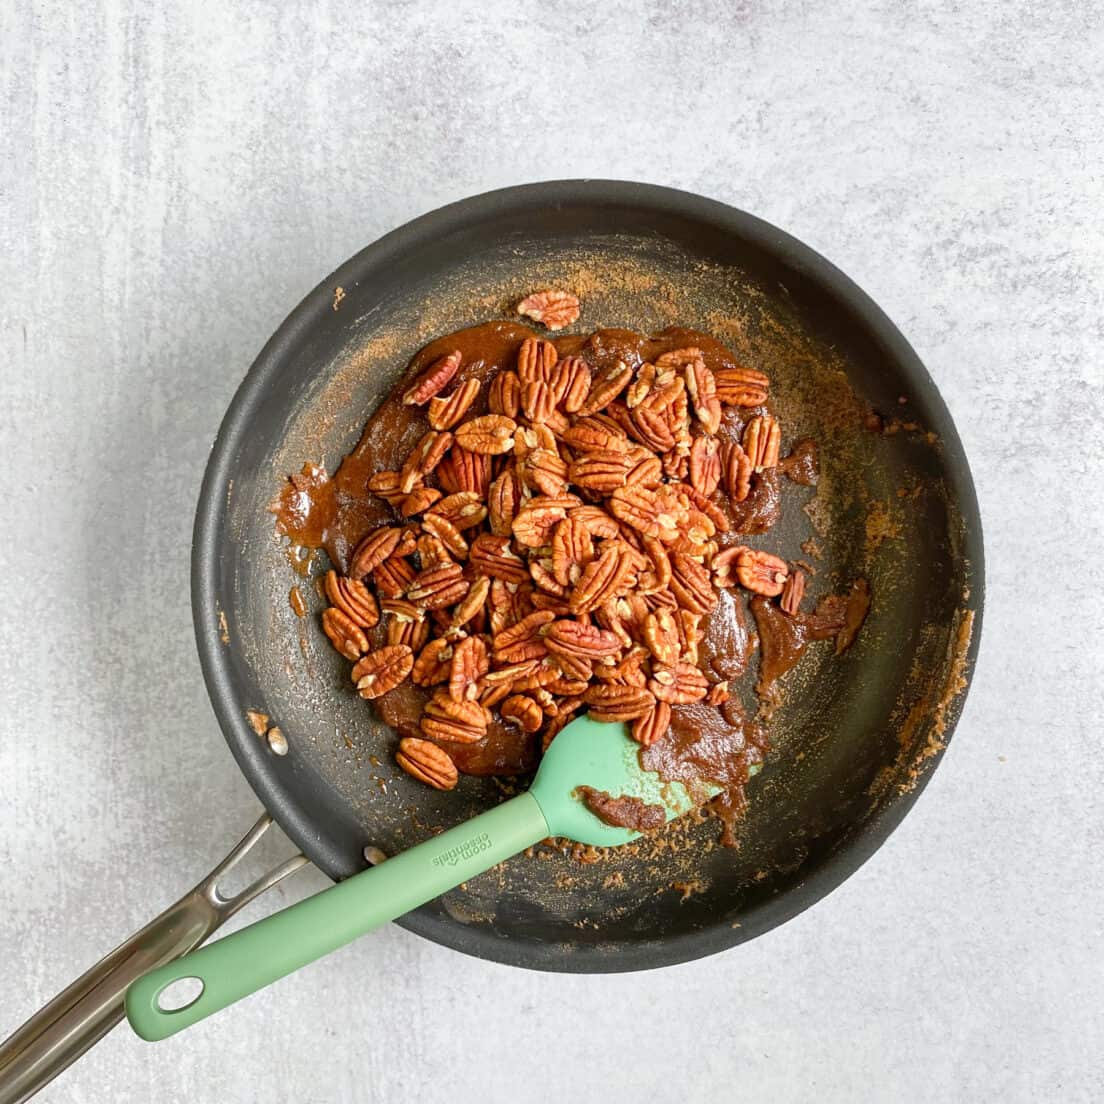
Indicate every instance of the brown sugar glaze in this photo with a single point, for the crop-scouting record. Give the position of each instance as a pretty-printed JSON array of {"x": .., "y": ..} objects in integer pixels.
[{"x": 705, "y": 743}]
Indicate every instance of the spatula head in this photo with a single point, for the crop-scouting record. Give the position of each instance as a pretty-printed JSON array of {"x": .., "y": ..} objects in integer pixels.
[{"x": 605, "y": 758}]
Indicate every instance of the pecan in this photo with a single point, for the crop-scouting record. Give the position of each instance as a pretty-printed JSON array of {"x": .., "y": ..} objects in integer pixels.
[
  {"x": 445, "y": 718},
  {"x": 464, "y": 509},
  {"x": 645, "y": 470},
  {"x": 741, "y": 386},
  {"x": 372, "y": 551},
  {"x": 594, "y": 434},
  {"x": 714, "y": 515},
  {"x": 545, "y": 471},
  {"x": 393, "y": 576},
  {"x": 469, "y": 665},
  {"x": 541, "y": 573},
  {"x": 574, "y": 639},
  {"x": 423, "y": 460},
  {"x": 604, "y": 578},
  {"x": 602, "y": 471},
  {"x": 690, "y": 584},
  {"x": 655, "y": 574},
  {"x": 567, "y": 687},
  {"x": 353, "y": 598},
  {"x": 446, "y": 533},
  {"x": 598, "y": 522},
  {"x": 643, "y": 509},
  {"x": 491, "y": 555},
  {"x": 652, "y": 726},
  {"x": 606, "y": 388},
  {"x": 537, "y": 401},
  {"x": 641, "y": 387},
  {"x": 761, "y": 441},
  {"x": 444, "y": 413},
  {"x": 388, "y": 486},
  {"x": 629, "y": 671},
  {"x": 433, "y": 380},
  {"x": 344, "y": 633},
  {"x": 472, "y": 602},
  {"x": 703, "y": 394},
  {"x": 533, "y": 525},
  {"x": 675, "y": 465},
  {"x": 705, "y": 465},
  {"x": 382, "y": 670},
  {"x": 572, "y": 549},
  {"x": 761, "y": 572},
  {"x": 419, "y": 500},
  {"x": 615, "y": 702},
  {"x": 491, "y": 435},
  {"x": 689, "y": 626},
  {"x": 462, "y": 470},
  {"x": 504, "y": 395},
  {"x": 652, "y": 428},
  {"x": 736, "y": 468},
  {"x": 512, "y": 673},
  {"x": 571, "y": 383},
  {"x": 678, "y": 683},
  {"x": 524, "y": 710},
  {"x": 792, "y": 593},
  {"x": 718, "y": 694},
  {"x": 433, "y": 664},
  {"x": 503, "y": 499},
  {"x": 439, "y": 586},
  {"x": 553, "y": 308},
  {"x": 408, "y": 631},
  {"x": 517, "y": 638},
  {"x": 536, "y": 360},
  {"x": 723, "y": 566},
  {"x": 427, "y": 763},
  {"x": 661, "y": 634},
  {"x": 679, "y": 358},
  {"x": 431, "y": 551},
  {"x": 408, "y": 542}
]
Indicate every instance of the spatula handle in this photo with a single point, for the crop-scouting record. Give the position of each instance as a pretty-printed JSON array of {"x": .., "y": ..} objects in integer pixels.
[{"x": 256, "y": 956}]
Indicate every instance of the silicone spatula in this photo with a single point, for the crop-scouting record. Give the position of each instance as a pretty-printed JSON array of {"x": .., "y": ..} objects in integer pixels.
[{"x": 585, "y": 753}]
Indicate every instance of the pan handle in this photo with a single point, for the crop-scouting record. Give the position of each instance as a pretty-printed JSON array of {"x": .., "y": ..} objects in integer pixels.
[{"x": 82, "y": 1014}]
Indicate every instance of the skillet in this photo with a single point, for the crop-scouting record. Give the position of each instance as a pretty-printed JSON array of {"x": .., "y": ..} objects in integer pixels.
[{"x": 856, "y": 737}]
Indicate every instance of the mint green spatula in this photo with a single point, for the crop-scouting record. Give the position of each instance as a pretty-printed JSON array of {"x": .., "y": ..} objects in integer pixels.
[{"x": 585, "y": 753}]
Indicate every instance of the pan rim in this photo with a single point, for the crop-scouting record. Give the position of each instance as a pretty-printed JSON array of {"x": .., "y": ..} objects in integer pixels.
[{"x": 209, "y": 531}]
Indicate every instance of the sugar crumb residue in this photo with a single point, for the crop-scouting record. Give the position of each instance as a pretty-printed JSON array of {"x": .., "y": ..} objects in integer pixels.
[
  {"x": 881, "y": 525},
  {"x": 224, "y": 629},
  {"x": 339, "y": 294}
]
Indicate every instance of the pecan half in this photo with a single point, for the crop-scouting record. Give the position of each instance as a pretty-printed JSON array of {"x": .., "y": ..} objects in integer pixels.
[
  {"x": 372, "y": 551},
  {"x": 388, "y": 486},
  {"x": 553, "y": 308},
  {"x": 536, "y": 361},
  {"x": 602, "y": 470},
  {"x": 464, "y": 509},
  {"x": 703, "y": 394},
  {"x": 652, "y": 726},
  {"x": 606, "y": 388},
  {"x": 792, "y": 593},
  {"x": 594, "y": 434},
  {"x": 433, "y": 380},
  {"x": 524, "y": 710},
  {"x": 469, "y": 664},
  {"x": 618, "y": 702},
  {"x": 382, "y": 670},
  {"x": 604, "y": 578},
  {"x": 537, "y": 401},
  {"x": 353, "y": 598},
  {"x": 643, "y": 509},
  {"x": 419, "y": 500},
  {"x": 762, "y": 440},
  {"x": 571, "y": 383},
  {"x": 718, "y": 694},
  {"x": 432, "y": 551},
  {"x": 533, "y": 525},
  {"x": 423, "y": 460},
  {"x": 737, "y": 470},
  {"x": 444, "y": 413},
  {"x": 427, "y": 763},
  {"x": 679, "y": 358},
  {"x": 503, "y": 500},
  {"x": 472, "y": 602},
  {"x": 741, "y": 386},
  {"x": 678, "y": 683},
  {"x": 572, "y": 549},
  {"x": 598, "y": 522},
  {"x": 439, "y": 586},
  {"x": 413, "y": 632},
  {"x": 690, "y": 584},
  {"x": 661, "y": 634},
  {"x": 446, "y": 533},
  {"x": 344, "y": 633},
  {"x": 491, "y": 435},
  {"x": 504, "y": 395},
  {"x": 705, "y": 465},
  {"x": 761, "y": 572},
  {"x": 462, "y": 470},
  {"x": 545, "y": 471},
  {"x": 393, "y": 576},
  {"x": 641, "y": 387},
  {"x": 510, "y": 644},
  {"x": 445, "y": 718},
  {"x": 492, "y": 556},
  {"x": 433, "y": 664},
  {"x": 573, "y": 638}
]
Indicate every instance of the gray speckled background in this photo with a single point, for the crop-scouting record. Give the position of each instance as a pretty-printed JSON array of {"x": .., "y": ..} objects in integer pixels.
[{"x": 173, "y": 178}]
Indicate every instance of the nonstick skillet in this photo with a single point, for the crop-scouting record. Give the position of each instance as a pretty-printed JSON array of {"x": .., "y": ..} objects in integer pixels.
[{"x": 855, "y": 738}]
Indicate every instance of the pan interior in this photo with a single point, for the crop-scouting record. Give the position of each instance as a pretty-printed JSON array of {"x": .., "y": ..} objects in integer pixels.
[{"x": 855, "y": 735}]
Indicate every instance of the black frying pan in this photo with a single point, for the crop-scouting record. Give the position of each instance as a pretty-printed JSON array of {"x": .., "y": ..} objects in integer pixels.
[{"x": 856, "y": 737}]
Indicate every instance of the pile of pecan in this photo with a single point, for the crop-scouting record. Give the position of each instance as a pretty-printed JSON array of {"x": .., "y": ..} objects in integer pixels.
[{"x": 558, "y": 553}]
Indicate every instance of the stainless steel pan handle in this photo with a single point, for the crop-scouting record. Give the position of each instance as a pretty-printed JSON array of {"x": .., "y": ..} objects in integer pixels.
[{"x": 82, "y": 1014}]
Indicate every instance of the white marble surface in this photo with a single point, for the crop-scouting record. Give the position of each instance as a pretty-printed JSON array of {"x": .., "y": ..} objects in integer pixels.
[{"x": 173, "y": 177}]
